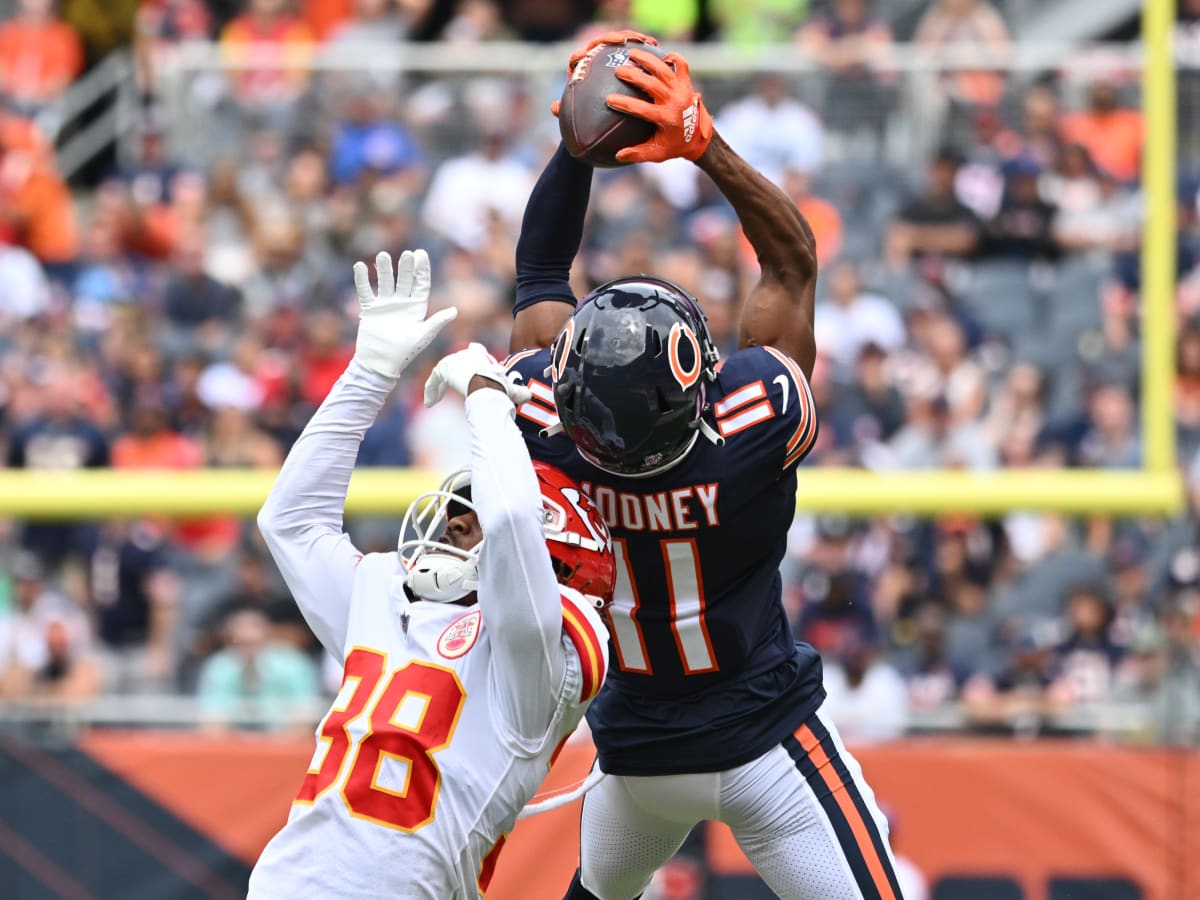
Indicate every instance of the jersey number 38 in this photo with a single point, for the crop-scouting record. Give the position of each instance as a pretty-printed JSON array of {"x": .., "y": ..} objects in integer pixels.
[{"x": 412, "y": 715}]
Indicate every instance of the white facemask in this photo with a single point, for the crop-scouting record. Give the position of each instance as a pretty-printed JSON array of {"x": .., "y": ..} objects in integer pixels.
[{"x": 435, "y": 570}]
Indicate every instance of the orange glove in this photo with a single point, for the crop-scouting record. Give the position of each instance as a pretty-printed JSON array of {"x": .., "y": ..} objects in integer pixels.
[
  {"x": 609, "y": 37},
  {"x": 683, "y": 126}
]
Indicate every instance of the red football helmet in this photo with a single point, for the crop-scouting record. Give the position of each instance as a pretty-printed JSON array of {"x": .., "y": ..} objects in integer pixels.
[{"x": 576, "y": 536}]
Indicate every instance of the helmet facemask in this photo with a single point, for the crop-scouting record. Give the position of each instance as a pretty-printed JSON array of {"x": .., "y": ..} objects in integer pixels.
[{"x": 434, "y": 569}]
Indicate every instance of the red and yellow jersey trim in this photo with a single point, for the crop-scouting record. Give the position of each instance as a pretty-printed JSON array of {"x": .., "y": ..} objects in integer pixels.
[{"x": 589, "y": 643}]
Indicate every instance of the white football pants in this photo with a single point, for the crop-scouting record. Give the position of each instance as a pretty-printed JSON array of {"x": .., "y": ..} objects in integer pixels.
[{"x": 801, "y": 813}]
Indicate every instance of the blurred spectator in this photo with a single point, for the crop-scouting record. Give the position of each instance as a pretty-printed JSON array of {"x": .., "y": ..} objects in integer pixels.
[
  {"x": 273, "y": 682},
  {"x": 1177, "y": 704},
  {"x": 933, "y": 678},
  {"x": 35, "y": 204},
  {"x": 772, "y": 130},
  {"x": 976, "y": 26},
  {"x": 1094, "y": 212},
  {"x": 174, "y": 20},
  {"x": 990, "y": 147},
  {"x": 233, "y": 439},
  {"x": 852, "y": 318},
  {"x": 136, "y": 597},
  {"x": 931, "y": 439},
  {"x": 1022, "y": 227},
  {"x": 326, "y": 17},
  {"x": 325, "y": 355},
  {"x": 273, "y": 45},
  {"x": 26, "y": 291},
  {"x": 476, "y": 21},
  {"x": 45, "y": 642},
  {"x": 160, "y": 24},
  {"x": 255, "y": 587},
  {"x": 1111, "y": 134},
  {"x": 672, "y": 20},
  {"x": 151, "y": 443},
  {"x": 1086, "y": 658},
  {"x": 865, "y": 696},
  {"x": 869, "y": 410},
  {"x": 545, "y": 20},
  {"x": 936, "y": 223},
  {"x": 106, "y": 277},
  {"x": 470, "y": 190},
  {"x": 353, "y": 22},
  {"x": 285, "y": 276},
  {"x": 1134, "y": 608},
  {"x": 39, "y": 56},
  {"x": 1018, "y": 403},
  {"x": 1039, "y": 126},
  {"x": 834, "y": 592},
  {"x": 823, "y": 217},
  {"x": 1015, "y": 697},
  {"x": 202, "y": 311},
  {"x": 369, "y": 142},
  {"x": 1111, "y": 439},
  {"x": 853, "y": 47},
  {"x": 749, "y": 23}
]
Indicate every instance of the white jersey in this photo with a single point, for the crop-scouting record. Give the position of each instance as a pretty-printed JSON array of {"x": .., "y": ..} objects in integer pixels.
[{"x": 448, "y": 717}]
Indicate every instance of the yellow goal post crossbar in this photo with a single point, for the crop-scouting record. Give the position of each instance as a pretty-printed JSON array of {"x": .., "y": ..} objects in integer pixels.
[{"x": 1156, "y": 488}]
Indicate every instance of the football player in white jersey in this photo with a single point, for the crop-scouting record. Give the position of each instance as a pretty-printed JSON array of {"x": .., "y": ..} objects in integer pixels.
[{"x": 470, "y": 654}]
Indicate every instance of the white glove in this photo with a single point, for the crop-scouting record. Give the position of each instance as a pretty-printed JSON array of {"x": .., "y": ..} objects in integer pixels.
[
  {"x": 392, "y": 328},
  {"x": 456, "y": 371}
]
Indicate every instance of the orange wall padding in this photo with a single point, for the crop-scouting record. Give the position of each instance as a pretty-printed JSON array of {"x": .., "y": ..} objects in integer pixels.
[{"x": 1026, "y": 811}]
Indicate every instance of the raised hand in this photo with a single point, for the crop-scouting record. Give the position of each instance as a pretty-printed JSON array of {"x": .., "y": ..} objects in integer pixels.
[
  {"x": 392, "y": 328},
  {"x": 456, "y": 371},
  {"x": 683, "y": 126}
]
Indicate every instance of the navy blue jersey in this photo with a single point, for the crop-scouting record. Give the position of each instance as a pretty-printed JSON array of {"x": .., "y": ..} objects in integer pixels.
[{"x": 707, "y": 674}]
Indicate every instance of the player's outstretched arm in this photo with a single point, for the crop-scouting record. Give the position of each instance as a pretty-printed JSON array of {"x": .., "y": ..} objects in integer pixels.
[
  {"x": 779, "y": 311},
  {"x": 518, "y": 589},
  {"x": 302, "y": 518},
  {"x": 551, "y": 232}
]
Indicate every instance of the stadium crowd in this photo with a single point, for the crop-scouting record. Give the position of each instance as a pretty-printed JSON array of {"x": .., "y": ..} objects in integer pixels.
[{"x": 192, "y": 305}]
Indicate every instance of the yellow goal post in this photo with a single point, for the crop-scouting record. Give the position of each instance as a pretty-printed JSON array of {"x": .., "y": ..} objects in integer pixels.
[{"x": 1156, "y": 488}]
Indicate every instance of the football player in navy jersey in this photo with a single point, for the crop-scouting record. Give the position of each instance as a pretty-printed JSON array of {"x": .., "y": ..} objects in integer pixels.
[{"x": 713, "y": 710}]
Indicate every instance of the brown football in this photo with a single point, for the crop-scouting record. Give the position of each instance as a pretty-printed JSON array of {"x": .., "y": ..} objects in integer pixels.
[{"x": 591, "y": 130}]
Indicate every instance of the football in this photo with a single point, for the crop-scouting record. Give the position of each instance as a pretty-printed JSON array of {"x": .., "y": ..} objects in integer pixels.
[{"x": 591, "y": 130}]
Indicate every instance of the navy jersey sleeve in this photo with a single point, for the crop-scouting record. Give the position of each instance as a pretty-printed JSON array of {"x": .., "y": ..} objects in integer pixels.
[
  {"x": 764, "y": 407},
  {"x": 538, "y": 418}
]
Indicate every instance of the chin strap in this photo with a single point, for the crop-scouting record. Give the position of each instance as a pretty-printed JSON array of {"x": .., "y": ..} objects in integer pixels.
[
  {"x": 551, "y": 431},
  {"x": 709, "y": 433},
  {"x": 554, "y": 801}
]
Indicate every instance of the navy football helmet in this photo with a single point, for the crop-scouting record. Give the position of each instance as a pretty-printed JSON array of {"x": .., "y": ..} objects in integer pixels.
[{"x": 630, "y": 370}]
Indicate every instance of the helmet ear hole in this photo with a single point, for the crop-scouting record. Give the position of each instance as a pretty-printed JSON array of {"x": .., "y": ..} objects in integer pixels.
[{"x": 562, "y": 570}]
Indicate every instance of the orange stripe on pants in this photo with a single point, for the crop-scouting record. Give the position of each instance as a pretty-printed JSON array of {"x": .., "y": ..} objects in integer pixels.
[{"x": 862, "y": 834}]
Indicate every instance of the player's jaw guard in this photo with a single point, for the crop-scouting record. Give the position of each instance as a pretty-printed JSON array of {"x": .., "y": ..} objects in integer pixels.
[
  {"x": 630, "y": 371},
  {"x": 434, "y": 569}
]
